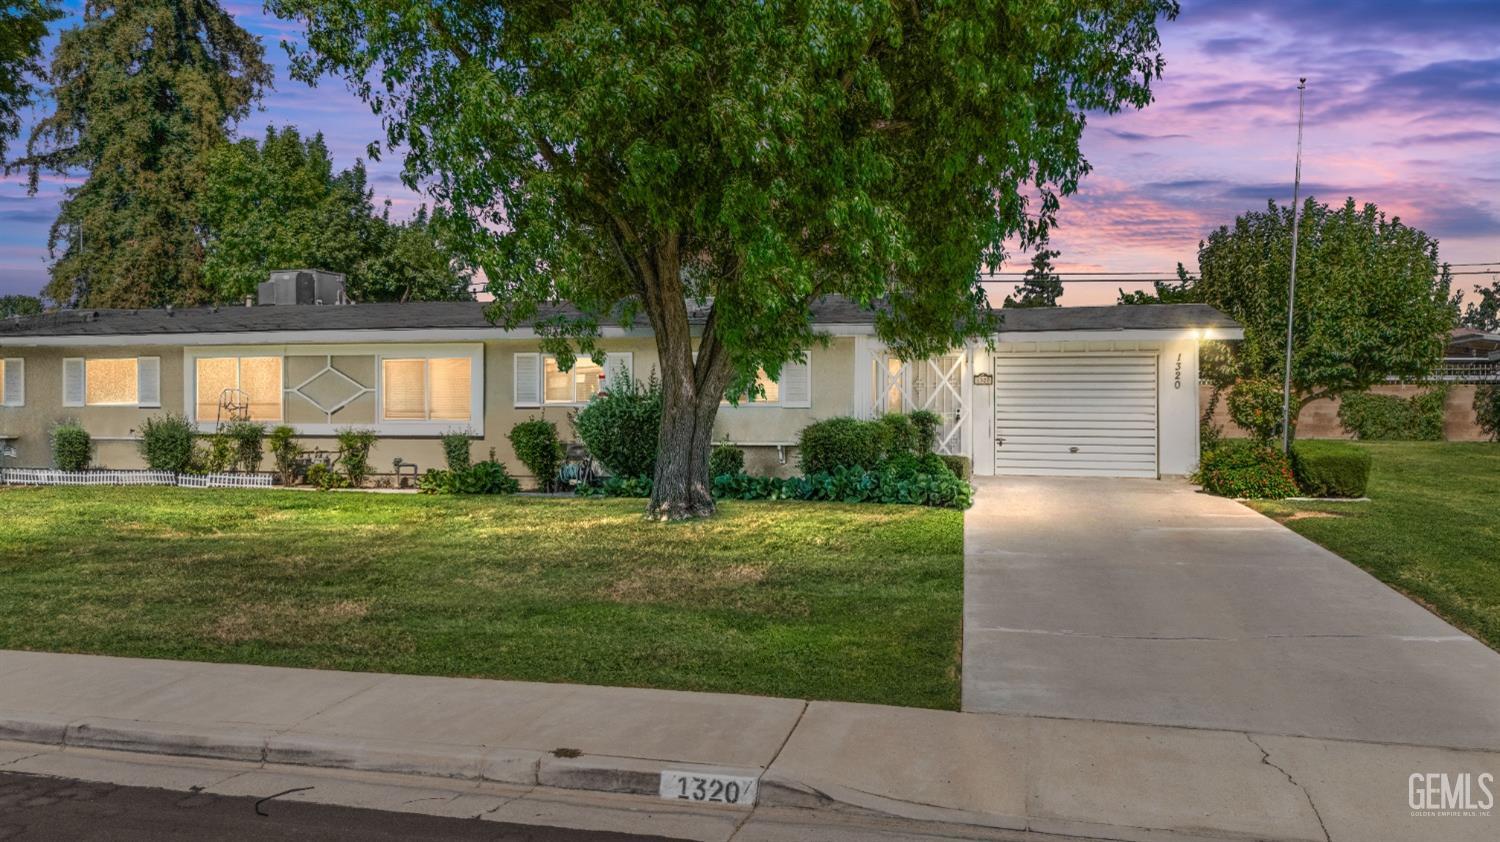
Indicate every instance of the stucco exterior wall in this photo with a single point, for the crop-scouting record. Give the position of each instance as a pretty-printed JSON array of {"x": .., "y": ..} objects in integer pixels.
[
  {"x": 1320, "y": 419},
  {"x": 766, "y": 431}
]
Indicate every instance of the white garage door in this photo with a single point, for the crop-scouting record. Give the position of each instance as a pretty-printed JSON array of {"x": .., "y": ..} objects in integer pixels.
[{"x": 1077, "y": 415}]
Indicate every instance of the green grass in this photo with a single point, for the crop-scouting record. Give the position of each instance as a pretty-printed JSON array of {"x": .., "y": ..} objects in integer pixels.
[
  {"x": 1431, "y": 530},
  {"x": 808, "y": 600}
]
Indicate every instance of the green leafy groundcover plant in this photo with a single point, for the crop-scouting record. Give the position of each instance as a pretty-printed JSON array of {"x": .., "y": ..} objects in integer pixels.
[
  {"x": 1331, "y": 468},
  {"x": 904, "y": 479},
  {"x": 617, "y": 487},
  {"x": 621, "y": 424},
  {"x": 167, "y": 443},
  {"x": 72, "y": 446},
  {"x": 1373, "y": 417},
  {"x": 479, "y": 478},
  {"x": 1246, "y": 469}
]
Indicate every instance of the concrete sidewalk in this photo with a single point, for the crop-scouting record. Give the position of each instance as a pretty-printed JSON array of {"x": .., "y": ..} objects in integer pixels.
[{"x": 1059, "y": 776}]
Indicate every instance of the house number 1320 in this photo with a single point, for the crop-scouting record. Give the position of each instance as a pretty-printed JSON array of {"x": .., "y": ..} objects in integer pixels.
[{"x": 1177, "y": 375}]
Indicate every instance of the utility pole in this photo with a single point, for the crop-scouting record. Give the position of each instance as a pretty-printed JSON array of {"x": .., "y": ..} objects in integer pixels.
[{"x": 1291, "y": 290}]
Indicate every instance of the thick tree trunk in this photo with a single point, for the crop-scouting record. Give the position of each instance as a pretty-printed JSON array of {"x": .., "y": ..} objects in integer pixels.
[{"x": 692, "y": 386}]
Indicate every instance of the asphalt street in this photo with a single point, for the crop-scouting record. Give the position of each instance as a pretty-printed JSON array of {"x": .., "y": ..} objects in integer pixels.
[{"x": 33, "y": 807}]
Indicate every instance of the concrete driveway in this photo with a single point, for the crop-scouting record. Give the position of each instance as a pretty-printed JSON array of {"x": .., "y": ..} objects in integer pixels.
[{"x": 1146, "y": 601}]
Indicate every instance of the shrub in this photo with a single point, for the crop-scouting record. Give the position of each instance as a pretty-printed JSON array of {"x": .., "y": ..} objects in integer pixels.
[
  {"x": 323, "y": 478},
  {"x": 480, "y": 478},
  {"x": 215, "y": 457},
  {"x": 456, "y": 447},
  {"x": 1330, "y": 468},
  {"x": 927, "y": 425},
  {"x": 961, "y": 466},
  {"x": 1388, "y": 417},
  {"x": 843, "y": 442},
  {"x": 285, "y": 453},
  {"x": 246, "y": 439},
  {"x": 726, "y": 459},
  {"x": 167, "y": 443},
  {"x": 900, "y": 434},
  {"x": 539, "y": 449},
  {"x": 354, "y": 454},
  {"x": 1240, "y": 468},
  {"x": 1255, "y": 407},
  {"x": 1487, "y": 410},
  {"x": 72, "y": 446},
  {"x": 904, "y": 479},
  {"x": 621, "y": 425}
]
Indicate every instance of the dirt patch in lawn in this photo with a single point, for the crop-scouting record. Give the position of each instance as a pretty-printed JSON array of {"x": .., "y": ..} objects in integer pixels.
[
  {"x": 286, "y": 620},
  {"x": 1308, "y": 514}
]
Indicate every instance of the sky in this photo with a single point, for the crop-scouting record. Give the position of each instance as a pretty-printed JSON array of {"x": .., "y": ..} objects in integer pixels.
[{"x": 1403, "y": 109}]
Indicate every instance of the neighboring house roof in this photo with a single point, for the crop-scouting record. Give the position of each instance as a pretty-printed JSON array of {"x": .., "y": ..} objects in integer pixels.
[
  {"x": 830, "y": 313},
  {"x": 1472, "y": 343}
]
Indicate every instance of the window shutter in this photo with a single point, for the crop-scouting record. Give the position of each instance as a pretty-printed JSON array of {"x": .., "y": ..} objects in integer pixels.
[
  {"x": 616, "y": 365},
  {"x": 15, "y": 382},
  {"x": 796, "y": 384},
  {"x": 148, "y": 381},
  {"x": 528, "y": 380},
  {"x": 73, "y": 381}
]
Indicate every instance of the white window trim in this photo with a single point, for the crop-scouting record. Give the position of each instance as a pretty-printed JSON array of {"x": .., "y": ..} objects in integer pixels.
[
  {"x": 780, "y": 402},
  {"x": 388, "y": 429}
]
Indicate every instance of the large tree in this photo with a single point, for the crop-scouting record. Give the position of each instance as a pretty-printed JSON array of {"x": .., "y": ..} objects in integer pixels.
[
  {"x": 1484, "y": 314},
  {"x": 144, "y": 90},
  {"x": 23, "y": 24},
  {"x": 1040, "y": 286},
  {"x": 1372, "y": 299},
  {"x": 280, "y": 204},
  {"x": 719, "y": 167},
  {"x": 19, "y": 305}
]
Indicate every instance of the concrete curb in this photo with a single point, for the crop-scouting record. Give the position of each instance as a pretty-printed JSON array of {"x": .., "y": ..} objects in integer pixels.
[{"x": 597, "y": 773}]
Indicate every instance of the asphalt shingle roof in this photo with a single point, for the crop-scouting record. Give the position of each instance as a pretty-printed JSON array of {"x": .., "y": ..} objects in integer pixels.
[{"x": 469, "y": 315}]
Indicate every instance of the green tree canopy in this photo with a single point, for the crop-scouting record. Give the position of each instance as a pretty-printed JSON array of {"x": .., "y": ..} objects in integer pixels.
[
  {"x": 1041, "y": 286},
  {"x": 144, "y": 90},
  {"x": 735, "y": 161},
  {"x": 23, "y": 24},
  {"x": 1164, "y": 292},
  {"x": 1484, "y": 313},
  {"x": 279, "y": 204},
  {"x": 19, "y": 305},
  {"x": 1372, "y": 299}
]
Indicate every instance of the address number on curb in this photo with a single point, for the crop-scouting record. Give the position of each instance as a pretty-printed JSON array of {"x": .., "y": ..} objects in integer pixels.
[{"x": 707, "y": 789}]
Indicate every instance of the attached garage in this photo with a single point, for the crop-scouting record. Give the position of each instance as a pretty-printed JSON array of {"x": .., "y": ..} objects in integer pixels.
[{"x": 1076, "y": 414}]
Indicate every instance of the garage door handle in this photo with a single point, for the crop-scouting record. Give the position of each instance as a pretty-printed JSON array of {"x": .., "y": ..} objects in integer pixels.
[
  {"x": 999, "y": 440},
  {"x": 1072, "y": 450}
]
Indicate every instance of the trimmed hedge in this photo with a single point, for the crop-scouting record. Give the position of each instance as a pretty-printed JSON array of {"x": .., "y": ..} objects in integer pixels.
[
  {"x": 72, "y": 447},
  {"x": 843, "y": 442},
  {"x": 961, "y": 466},
  {"x": 1372, "y": 417},
  {"x": 456, "y": 450},
  {"x": 621, "y": 426},
  {"x": 1245, "y": 469},
  {"x": 1487, "y": 410},
  {"x": 903, "y": 479},
  {"x": 1331, "y": 468},
  {"x": 725, "y": 459},
  {"x": 539, "y": 449},
  {"x": 167, "y": 443}
]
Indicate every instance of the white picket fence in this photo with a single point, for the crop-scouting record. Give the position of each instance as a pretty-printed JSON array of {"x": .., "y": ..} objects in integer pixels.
[
  {"x": 225, "y": 480},
  {"x": 52, "y": 476}
]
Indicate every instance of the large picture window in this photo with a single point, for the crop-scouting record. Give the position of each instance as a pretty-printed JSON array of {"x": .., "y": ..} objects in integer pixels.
[
  {"x": 427, "y": 389},
  {"x": 229, "y": 386}
]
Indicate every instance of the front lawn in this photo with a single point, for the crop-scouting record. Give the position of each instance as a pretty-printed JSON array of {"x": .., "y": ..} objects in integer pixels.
[
  {"x": 1431, "y": 530},
  {"x": 810, "y": 600}
]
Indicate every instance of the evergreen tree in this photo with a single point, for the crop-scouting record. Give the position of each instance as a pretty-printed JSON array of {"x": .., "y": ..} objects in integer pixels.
[
  {"x": 1041, "y": 286},
  {"x": 144, "y": 90},
  {"x": 23, "y": 24}
]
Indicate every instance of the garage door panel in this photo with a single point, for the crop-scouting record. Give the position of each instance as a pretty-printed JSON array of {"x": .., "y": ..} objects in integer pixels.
[{"x": 1076, "y": 415}]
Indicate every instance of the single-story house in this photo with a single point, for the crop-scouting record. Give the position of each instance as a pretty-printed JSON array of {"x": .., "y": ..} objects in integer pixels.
[{"x": 1105, "y": 391}]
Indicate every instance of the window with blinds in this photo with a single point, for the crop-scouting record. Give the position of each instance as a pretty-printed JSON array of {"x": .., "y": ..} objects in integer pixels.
[
  {"x": 238, "y": 385},
  {"x": 436, "y": 389},
  {"x": 111, "y": 382}
]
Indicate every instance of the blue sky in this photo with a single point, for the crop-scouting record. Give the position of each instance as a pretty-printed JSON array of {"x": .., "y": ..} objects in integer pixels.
[{"x": 1403, "y": 109}]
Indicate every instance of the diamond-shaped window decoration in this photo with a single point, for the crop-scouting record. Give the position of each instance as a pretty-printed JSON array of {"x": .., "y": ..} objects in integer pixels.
[{"x": 330, "y": 389}]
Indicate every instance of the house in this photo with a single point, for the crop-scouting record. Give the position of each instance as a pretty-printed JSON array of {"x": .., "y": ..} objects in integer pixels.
[{"x": 1106, "y": 391}]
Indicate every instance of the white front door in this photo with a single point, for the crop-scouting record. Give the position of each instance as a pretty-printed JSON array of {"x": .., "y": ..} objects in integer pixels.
[{"x": 1076, "y": 415}]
